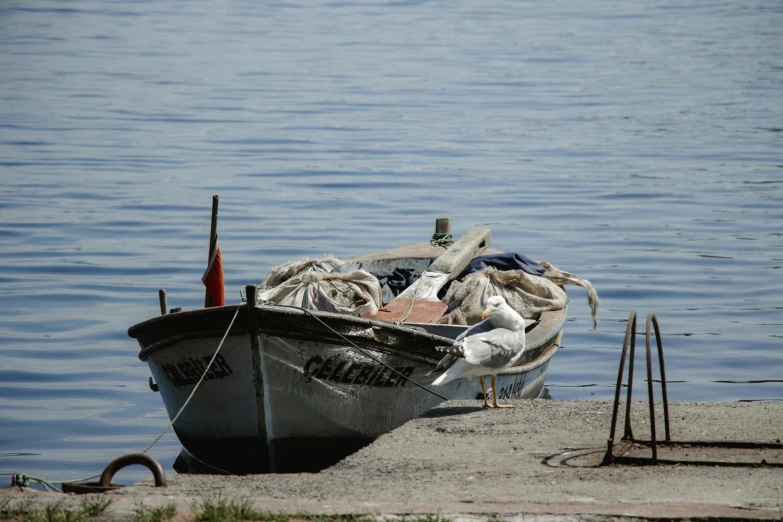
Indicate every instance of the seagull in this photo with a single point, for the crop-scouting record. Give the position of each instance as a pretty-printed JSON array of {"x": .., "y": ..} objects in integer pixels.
[{"x": 486, "y": 348}]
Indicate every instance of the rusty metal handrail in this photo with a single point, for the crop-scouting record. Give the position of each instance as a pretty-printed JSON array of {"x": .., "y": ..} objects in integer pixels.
[
  {"x": 630, "y": 441},
  {"x": 630, "y": 341}
]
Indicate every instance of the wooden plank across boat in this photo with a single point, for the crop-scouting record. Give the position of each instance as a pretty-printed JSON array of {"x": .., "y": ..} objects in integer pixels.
[
  {"x": 301, "y": 397},
  {"x": 419, "y": 302}
]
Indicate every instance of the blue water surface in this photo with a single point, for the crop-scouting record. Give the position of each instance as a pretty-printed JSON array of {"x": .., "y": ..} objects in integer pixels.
[{"x": 637, "y": 145}]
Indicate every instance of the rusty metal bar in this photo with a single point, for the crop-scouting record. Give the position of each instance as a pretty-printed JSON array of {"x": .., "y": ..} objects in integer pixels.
[
  {"x": 662, "y": 368},
  {"x": 650, "y": 393},
  {"x": 628, "y": 431},
  {"x": 630, "y": 333}
]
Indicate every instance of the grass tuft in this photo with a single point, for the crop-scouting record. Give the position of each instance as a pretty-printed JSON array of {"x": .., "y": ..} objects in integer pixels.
[
  {"x": 156, "y": 514},
  {"x": 57, "y": 513},
  {"x": 92, "y": 507},
  {"x": 29, "y": 511},
  {"x": 217, "y": 509},
  {"x": 26, "y": 511},
  {"x": 214, "y": 509}
]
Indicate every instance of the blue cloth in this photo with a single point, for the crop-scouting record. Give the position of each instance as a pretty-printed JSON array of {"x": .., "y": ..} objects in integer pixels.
[
  {"x": 507, "y": 261},
  {"x": 393, "y": 282}
]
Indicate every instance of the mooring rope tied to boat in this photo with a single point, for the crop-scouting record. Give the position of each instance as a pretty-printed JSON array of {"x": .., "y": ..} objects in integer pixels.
[
  {"x": 26, "y": 479},
  {"x": 363, "y": 352},
  {"x": 192, "y": 393},
  {"x": 207, "y": 464},
  {"x": 23, "y": 480},
  {"x": 442, "y": 239}
]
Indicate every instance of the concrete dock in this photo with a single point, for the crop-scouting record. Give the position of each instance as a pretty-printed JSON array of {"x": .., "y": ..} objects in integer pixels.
[{"x": 540, "y": 460}]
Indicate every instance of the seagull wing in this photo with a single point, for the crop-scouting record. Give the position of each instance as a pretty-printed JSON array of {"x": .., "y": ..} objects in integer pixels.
[
  {"x": 493, "y": 349},
  {"x": 482, "y": 327},
  {"x": 444, "y": 364},
  {"x": 454, "y": 352}
]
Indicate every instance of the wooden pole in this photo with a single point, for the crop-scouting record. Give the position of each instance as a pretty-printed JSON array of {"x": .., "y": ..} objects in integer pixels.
[
  {"x": 162, "y": 298},
  {"x": 212, "y": 241},
  {"x": 443, "y": 225}
]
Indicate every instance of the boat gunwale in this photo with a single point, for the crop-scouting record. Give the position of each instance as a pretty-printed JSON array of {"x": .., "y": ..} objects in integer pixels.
[
  {"x": 549, "y": 329},
  {"x": 273, "y": 310}
]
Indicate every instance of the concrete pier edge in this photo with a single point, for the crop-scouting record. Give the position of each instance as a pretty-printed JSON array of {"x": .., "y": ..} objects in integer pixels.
[{"x": 536, "y": 461}]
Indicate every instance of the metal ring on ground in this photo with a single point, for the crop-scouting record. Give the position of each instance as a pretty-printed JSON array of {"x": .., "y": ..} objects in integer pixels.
[
  {"x": 128, "y": 460},
  {"x": 114, "y": 466}
]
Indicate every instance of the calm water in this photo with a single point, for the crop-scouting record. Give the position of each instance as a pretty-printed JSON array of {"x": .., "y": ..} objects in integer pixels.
[{"x": 636, "y": 145}]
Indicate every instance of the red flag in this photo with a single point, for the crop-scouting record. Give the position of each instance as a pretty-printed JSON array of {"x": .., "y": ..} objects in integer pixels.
[{"x": 213, "y": 278}]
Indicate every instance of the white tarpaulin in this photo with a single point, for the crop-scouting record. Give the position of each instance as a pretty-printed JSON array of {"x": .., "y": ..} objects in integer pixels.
[{"x": 322, "y": 284}]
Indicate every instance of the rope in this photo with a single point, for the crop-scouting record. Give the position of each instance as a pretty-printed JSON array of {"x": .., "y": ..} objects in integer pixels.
[
  {"x": 410, "y": 308},
  {"x": 197, "y": 384},
  {"x": 441, "y": 239},
  {"x": 23, "y": 480},
  {"x": 207, "y": 464},
  {"x": 363, "y": 352}
]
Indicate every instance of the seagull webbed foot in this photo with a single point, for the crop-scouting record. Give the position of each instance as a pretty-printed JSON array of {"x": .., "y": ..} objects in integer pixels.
[{"x": 495, "y": 397}]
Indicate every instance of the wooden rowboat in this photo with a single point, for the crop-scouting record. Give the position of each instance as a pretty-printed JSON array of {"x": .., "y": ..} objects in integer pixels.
[{"x": 294, "y": 390}]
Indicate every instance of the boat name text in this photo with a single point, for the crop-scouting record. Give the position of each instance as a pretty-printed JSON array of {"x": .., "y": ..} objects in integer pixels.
[
  {"x": 190, "y": 369},
  {"x": 513, "y": 390},
  {"x": 345, "y": 372}
]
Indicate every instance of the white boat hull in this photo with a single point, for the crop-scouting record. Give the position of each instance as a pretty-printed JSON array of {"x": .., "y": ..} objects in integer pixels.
[{"x": 298, "y": 404}]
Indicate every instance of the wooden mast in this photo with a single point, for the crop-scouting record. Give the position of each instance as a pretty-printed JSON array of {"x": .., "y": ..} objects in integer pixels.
[{"x": 212, "y": 242}]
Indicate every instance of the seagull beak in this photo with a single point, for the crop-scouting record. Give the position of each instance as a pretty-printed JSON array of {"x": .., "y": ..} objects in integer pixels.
[{"x": 487, "y": 313}]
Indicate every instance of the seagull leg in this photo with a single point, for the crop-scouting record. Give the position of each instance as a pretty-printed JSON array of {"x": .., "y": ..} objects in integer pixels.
[
  {"x": 484, "y": 391},
  {"x": 495, "y": 397}
]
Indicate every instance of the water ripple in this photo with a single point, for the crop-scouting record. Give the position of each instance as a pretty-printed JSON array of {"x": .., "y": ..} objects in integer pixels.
[{"x": 635, "y": 145}]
